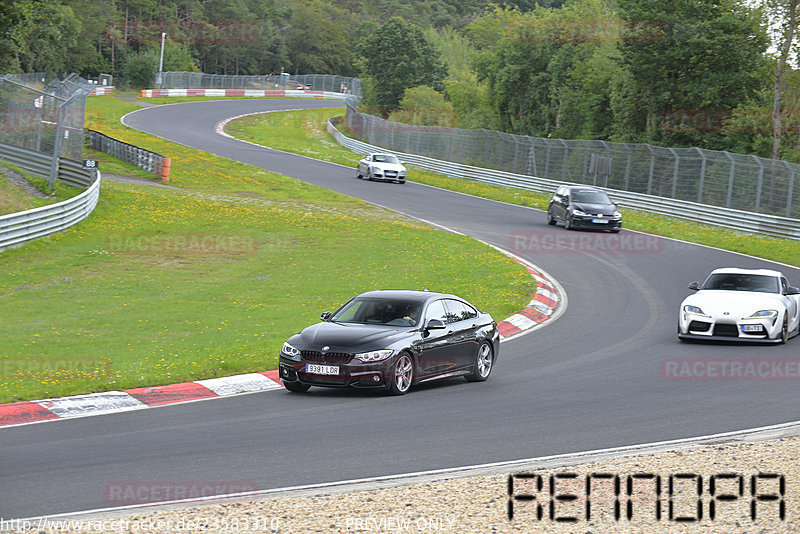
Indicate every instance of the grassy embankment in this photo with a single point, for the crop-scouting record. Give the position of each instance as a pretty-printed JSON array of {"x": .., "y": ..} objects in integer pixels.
[{"x": 160, "y": 285}]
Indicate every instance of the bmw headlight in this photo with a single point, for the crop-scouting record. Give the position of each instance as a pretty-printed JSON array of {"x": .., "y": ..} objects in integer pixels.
[
  {"x": 290, "y": 351},
  {"x": 693, "y": 309},
  {"x": 374, "y": 356},
  {"x": 764, "y": 313}
]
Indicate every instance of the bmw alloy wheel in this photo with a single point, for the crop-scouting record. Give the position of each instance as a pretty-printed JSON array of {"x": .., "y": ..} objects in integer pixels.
[
  {"x": 484, "y": 360},
  {"x": 402, "y": 376}
]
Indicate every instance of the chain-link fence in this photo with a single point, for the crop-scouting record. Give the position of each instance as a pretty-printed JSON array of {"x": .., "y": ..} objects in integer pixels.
[
  {"x": 738, "y": 181},
  {"x": 43, "y": 116},
  {"x": 313, "y": 82}
]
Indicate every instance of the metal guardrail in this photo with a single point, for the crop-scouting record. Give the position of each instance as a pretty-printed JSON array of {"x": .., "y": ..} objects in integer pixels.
[
  {"x": 70, "y": 172},
  {"x": 19, "y": 228},
  {"x": 714, "y": 215},
  {"x": 142, "y": 158}
]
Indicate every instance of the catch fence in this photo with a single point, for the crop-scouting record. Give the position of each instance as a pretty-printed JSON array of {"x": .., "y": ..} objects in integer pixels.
[
  {"x": 313, "y": 82},
  {"x": 716, "y": 178}
]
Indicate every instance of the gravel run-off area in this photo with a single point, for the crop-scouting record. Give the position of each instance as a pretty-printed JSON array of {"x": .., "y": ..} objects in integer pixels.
[{"x": 480, "y": 504}]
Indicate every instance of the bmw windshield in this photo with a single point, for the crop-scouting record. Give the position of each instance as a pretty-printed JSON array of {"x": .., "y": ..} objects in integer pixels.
[{"x": 379, "y": 311}]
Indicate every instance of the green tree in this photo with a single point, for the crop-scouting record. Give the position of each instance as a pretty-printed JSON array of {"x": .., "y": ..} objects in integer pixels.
[
  {"x": 35, "y": 35},
  {"x": 705, "y": 55},
  {"x": 395, "y": 57},
  {"x": 139, "y": 70},
  {"x": 424, "y": 106},
  {"x": 317, "y": 39}
]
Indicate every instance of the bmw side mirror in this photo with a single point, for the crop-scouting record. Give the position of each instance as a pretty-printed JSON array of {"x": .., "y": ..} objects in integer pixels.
[
  {"x": 325, "y": 315},
  {"x": 434, "y": 324},
  {"x": 694, "y": 286},
  {"x": 791, "y": 290}
]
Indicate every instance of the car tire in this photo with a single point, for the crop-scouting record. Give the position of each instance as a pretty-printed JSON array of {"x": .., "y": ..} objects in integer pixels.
[
  {"x": 358, "y": 175},
  {"x": 401, "y": 375},
  {"x": 785, "y": 329},
  {"x": 484, "y": 362},
  {"x": 550, "y": 220},
  {"x": 296, "y": 387},
  {"x": 568, "y": 222}
]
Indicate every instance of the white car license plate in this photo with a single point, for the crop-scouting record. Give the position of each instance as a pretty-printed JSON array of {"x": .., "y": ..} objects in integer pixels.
[
  {"x": 322, "y": 369},
  {"x": 751, "y": 328},
  {"x": 602, "y": 221}
]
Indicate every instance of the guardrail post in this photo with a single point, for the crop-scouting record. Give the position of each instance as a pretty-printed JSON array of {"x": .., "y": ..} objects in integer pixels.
[
  {"x": 585, "y": 160},
  {"x": 564, "y": 164},
  {"x": 547, "y": 159},
  {"x": 791, "y": 189},
  {"x": 760, "y": 182},
  {"x": 56, "y": 149},
  {"x": 730, "y": 179},
  {"x": 674, "y": 173},
  {"x": 628, "y": 166},
  {"x": 652, "y": 168},
  {"x": 702, "y": 176}
]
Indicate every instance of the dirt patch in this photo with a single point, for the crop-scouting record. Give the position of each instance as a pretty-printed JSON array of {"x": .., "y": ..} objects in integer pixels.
[{"x": 16, "y": 178}]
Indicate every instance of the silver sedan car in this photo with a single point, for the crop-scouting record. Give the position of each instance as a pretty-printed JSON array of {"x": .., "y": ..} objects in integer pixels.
[{"x": 384, "y": 167}]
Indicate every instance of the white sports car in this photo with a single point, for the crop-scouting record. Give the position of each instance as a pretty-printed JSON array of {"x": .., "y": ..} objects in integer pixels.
[
  {"x": 382, "y": 167},
  {"x": 741, "y": 304}
]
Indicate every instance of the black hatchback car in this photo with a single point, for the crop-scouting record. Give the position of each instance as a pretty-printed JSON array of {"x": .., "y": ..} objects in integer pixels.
[
  {"x": 392, "y": 340},
  {"x": 583, "y": 207}
]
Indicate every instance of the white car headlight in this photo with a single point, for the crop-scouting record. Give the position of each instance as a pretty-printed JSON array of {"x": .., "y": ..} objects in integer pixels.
[
  {"x": 374, "y": 356},
  {"x": 693, "y": 309},
  {"x": 290, "y": 350},
  {"x": 578, "y": 212},
  {"x": 617, "y": 214},
  {"x": 764, "y": 313}
]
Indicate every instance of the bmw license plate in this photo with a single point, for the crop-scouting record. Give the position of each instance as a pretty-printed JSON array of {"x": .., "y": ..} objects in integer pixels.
[
  {"x": 602, "y": 221},
  {"x": 322, "y": 369}
]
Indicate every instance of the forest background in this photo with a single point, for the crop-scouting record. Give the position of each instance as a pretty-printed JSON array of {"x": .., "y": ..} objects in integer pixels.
[{"x": 717, "y": 74}]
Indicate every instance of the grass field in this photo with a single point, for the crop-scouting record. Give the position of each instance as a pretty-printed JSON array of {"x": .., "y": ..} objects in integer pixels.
[
  {"x": 160, "y": 286},
  {"x": 303, "y": 132}
]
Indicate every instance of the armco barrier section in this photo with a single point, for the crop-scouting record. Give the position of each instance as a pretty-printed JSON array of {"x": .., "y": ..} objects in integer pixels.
[
  {"x": 19, "y": 228},
  {"x": 153, "y": 93},
  {"x": 69, "y": 172},
  {"x": 714, "y": 215},
  {"x": 142, "y": 158}
]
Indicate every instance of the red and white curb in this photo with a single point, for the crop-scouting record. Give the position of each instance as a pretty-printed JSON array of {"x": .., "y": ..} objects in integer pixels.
[
  {"x": 542, "y": 308},
  {"x": 26, "y": 412},
  {"x": 546, "y": 305}
]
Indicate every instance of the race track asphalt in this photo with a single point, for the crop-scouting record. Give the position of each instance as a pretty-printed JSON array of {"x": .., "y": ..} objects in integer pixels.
[{"x": 590, "y": 380}]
